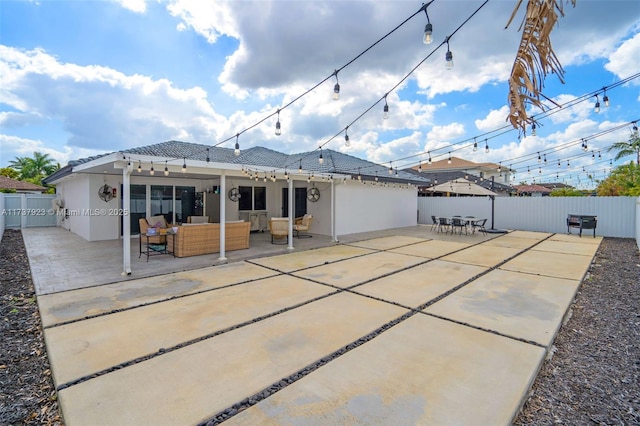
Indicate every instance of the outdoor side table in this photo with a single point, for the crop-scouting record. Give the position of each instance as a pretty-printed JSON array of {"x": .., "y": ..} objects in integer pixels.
[{"x": 157, "y": 249}]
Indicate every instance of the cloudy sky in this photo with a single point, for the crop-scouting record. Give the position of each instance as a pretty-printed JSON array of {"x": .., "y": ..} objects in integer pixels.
[{"x": 79, "y": 78}]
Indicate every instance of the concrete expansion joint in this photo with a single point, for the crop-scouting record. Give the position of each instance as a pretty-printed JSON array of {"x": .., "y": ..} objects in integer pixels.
[
  {"x": 484, "y": 329},
  {"x": 155, "y": 302},
  {"x": 275, "y": 387},
  {"x": 163, "y": 351}
]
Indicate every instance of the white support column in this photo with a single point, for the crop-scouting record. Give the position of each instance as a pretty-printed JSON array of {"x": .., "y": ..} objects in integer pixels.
[
  {"x": 126, "y": 220},
  {"x": 291, "y": 215},
  {"x": 223, "y": 218},
  {"x": 333, "y": 211}
]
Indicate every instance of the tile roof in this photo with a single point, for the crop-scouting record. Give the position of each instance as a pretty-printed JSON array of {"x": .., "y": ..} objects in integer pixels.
[
  {"x": 18, "y": 185},
  {"x": 446, "y": 176},
  {"x": 532, "y": 188},
  {"x": 334, "y": 162}
]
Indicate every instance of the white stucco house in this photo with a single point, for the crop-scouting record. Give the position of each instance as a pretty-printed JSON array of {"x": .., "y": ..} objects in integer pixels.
[{"x": 344, "y": 194}]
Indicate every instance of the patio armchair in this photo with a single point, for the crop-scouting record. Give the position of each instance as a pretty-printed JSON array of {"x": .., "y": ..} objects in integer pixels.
[
  {"x": 279, "y": 229},
  {"x": 303, "y": 224}
]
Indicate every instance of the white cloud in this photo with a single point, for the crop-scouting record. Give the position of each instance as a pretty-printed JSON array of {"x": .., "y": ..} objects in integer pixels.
[
  {"x": 138, "y": 6},
  {"x": 623, "y": 62},
  {"x": 23, "y": 147},
  {"x": 494, "y": 120},
  {"x": 101, "y": 107}
]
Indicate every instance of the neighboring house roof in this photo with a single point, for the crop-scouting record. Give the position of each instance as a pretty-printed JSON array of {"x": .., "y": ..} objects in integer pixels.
[
  {"x": 334, "y": 162},
  {"x": 20, "y": 186},
  {"x": 446, "y": 176},
  {"x": 457, "y": 164},
  {"x": 531, "y": 189},
  {"x": 554, "y": 185}
]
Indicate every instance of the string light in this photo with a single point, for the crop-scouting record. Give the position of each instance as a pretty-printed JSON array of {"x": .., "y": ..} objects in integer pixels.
[
  {"x": 346, "y": 137},
  {"x": 448, "y": 57},
  {"x": 533, "y": 129},
  {"x": 184, "y": 165},
  {"x": 278, "y": 129},
  {"x": 151, "y": 171},
  {"x": 449, "y": 160},
  {"x": 390, "y": 168},
  {"x": 428, "y": 28},
  {"x": 139, "y": 166},
  {"x": 385, "y": 110},
  {"x": 605, "y": 98},
  {"x": 596, "y": 109},
  {"x": 320, "y": 159},
  {"x": 486, "y": 146},
  {"x": 236, "y": 150},
  {"x": 166, "y": 169},
  {"x": 300, "y": 167},
  {"x": 475, "y": 145},
  {"x": 336, "y": 88}
]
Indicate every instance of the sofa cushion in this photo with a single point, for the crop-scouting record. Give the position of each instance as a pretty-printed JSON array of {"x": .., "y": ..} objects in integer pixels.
[{"x": 157, "y": 222}]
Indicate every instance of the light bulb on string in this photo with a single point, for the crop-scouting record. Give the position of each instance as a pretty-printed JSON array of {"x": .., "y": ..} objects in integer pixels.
[
  {"x": 346, "y": 137},
  {"x": 448, "y": 57},
  {"x": 336, "y": 88},
  {"x": 166, "y": 169},
  {"x": 151, "y": 171},
  {"x": 428, "y": 28},
  {"x": 278, "y": 129},
  {"x": 236, "y": 150}
]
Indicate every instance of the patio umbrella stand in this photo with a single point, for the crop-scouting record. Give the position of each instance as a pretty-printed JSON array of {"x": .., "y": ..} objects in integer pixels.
[{"x": 493, "y": 230}]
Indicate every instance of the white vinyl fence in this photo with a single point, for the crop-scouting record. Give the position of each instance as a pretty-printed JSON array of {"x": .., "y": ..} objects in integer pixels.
[
  {"x": 617, "y": 216},
  {"x": 25, "y": 211}
]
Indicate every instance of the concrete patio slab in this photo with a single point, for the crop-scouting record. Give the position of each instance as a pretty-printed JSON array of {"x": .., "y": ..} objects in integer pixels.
[
  {"x": 512, "y": 242},
  {"x": 573, "y": 238},
  {"x": 301, "y": 260},
  {"x": 523, "y": 306},
  {"x": 422, "y": 371},
  {"x": 193, "y": 383},
  {"x": 86, "y": 347},
  {"x": 529, "y": 234},
  {"x": 354, "y": 271},
  {"x": 566, "y": 247},
  {"x": 75, "y": 304},
  {"x": 387, "y": 243},
  {"x": 482, "y": 255},
  {"x": 432, "y": 249},
  {"x": 551, "y": 264},
  {"x": 420, "y": 284}
]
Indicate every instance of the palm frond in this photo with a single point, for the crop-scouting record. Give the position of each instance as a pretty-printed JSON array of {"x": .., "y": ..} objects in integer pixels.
[{"x": 534, "y": 60}]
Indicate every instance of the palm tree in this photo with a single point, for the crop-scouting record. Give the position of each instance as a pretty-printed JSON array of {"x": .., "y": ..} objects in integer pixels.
[
  {"x": 39, "y": 165},
  {"x": 627, "y": 148}
]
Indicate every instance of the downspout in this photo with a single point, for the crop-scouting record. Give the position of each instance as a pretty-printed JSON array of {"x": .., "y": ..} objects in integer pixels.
[
  {"x": 291, "y": 215},
  {"x": 223, "y": 218},
  {"x": 126, "y": 220}
]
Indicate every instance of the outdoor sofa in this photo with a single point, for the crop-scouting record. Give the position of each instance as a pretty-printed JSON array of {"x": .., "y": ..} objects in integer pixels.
[{"x": 204, "y": 238}]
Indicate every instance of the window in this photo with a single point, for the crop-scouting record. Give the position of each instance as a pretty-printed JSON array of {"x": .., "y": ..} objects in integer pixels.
[
  {"x": 252, "y": 198},
  {"x": 260, "y": 198}
]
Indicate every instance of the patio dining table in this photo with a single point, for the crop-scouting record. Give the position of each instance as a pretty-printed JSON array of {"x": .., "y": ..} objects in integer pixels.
[{"x": 448, "y": 223}]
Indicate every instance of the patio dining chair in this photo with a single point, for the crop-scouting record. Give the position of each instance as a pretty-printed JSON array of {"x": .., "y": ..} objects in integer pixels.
[
  {"x": 479, "y": 225},
  {"x": 458, "y": 223},
  {"x": 434, "y": 224},
  {"x": 444, "y": 223}
]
